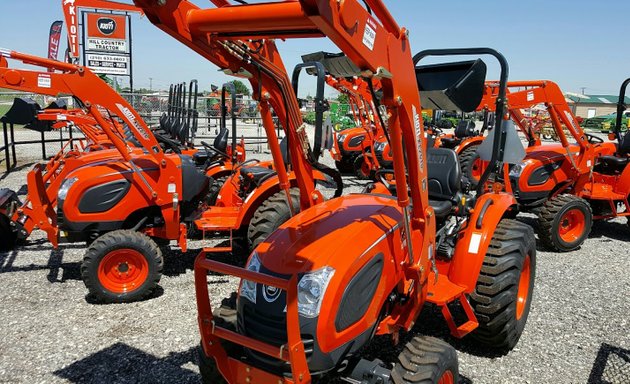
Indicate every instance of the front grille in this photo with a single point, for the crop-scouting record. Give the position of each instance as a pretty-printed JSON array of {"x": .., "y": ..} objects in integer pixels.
[{"x": 269, "y": 328}]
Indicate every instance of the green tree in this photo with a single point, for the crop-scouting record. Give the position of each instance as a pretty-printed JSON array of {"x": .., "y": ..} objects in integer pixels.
[
  {"x": 343, "y": 99},
  {"x": 241, "y": 88}
]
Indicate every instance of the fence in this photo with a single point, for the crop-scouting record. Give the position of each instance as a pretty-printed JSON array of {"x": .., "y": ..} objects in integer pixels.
[{"x": 150, "y": 107}]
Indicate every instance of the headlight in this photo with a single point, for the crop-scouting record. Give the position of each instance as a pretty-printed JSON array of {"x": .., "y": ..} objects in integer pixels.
[
  {"x": 311, "y": 290},
  {"x": 517, "y": 169},
  {"x": 341, "y": 138},
  {"x": 248, "y": 288},
  {"x": 65, "y": 187},
  {"x": 379, "y": 146}
]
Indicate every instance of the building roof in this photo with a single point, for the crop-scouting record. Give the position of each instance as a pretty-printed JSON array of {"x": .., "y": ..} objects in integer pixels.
[{"x": 594, "y": 99}]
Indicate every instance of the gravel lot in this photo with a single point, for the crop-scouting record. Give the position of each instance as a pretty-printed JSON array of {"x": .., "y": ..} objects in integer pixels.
[{"x": 578, "y": 328}]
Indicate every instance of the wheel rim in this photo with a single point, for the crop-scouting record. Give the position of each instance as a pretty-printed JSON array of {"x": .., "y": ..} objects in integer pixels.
[
  {"x": 123, "y": 270},
  {"x": 476, "y": 169},
  {"x": 447, "y": 378},
  {"x": 571, "y": 225},
  {"x": 523, "y": 288}
]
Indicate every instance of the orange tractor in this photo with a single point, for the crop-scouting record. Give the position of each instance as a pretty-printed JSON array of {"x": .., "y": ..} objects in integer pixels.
[
  {"x": 316, "y": 291},
  {"x": 567, "y": 184},
  {"x": 153, "y": 194}
]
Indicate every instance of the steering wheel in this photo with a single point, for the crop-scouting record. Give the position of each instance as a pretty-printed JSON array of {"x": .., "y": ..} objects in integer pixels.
[
  {"x": 170, "y": 144},
  {"x": 213, "y": 149},
  {"x": 380, "y": 176},
  {"x": 594, "y": 139}
]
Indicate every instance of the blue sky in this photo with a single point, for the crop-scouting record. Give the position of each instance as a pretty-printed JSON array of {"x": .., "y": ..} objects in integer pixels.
[{"x": 576, "y": 43}]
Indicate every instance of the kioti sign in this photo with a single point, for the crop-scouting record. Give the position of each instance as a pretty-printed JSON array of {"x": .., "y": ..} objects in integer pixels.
[{"x": 107, "y": 33}]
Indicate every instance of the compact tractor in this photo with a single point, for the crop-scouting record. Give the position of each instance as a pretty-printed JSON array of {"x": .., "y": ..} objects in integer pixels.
[
  {"x": 567, "y": 184},
  {"x": 337, "y": 273},
  {"x": 123, "y": 198}
]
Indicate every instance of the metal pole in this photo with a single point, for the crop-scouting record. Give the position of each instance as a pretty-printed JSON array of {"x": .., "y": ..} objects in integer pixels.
[
  {"x": 13, "y": 144},
  {"x": 6, "y": 147},
  {"x": 43, "y": 146},
  {"x": 130, "y": 54}
]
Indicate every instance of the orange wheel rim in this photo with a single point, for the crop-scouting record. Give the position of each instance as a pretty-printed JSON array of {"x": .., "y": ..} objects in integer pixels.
[
  {"x": 123, "y": 270},
  {"x": 477, "y": 169},
  {"x": 571, "y": 225},
  {"x": 447, "y": 378},
  {"x": 522, "y": 296}
]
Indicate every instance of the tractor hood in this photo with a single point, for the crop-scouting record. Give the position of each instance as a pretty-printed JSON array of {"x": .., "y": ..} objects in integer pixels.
[
  {"x": 550, "y": 152},
  {"x": 335, "y": 233}
]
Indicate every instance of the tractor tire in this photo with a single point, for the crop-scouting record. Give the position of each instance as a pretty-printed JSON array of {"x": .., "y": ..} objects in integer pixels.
[
  {"x": 345, "y": 166},
  {"x": 470, "y": 164},
  {"x": 8, "y": 237},
  {"x": 225, "y": 317},
  {"x": 361, "y": 170},
  {"x": 121, "y": 267},
  {"x": 426, "y": 360},
  {"x": 208, "y": 369},
  {"x": 215, "y": 188},
  {"x": 270, "y": 215},
  {"x": 502, "y": 298},
  {"x": 564, "y": 222}
]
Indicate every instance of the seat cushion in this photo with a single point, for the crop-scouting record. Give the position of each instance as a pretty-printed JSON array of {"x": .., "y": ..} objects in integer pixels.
[
  {"x": 256, "y": 173},
  {"x": 442, "y": 208}
]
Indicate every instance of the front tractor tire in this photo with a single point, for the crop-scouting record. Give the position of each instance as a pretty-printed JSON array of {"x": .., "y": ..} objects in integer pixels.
[
  {"x": 471, "y": 165},
  {"x": 270, "y": 215},
  {"x": 208, "y": 368},
  {"x": 426, "y": 360},
  {"x": 503, "y": 294},
  {"x": 564, "y": 222},
  {"x": 346, "y": 164},
  {"x": 122, "y": 266},
  {"x": 361, "y": 169}
]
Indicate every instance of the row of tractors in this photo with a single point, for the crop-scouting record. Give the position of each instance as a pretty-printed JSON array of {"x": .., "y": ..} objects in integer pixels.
[{"x": 325, "y": 276}]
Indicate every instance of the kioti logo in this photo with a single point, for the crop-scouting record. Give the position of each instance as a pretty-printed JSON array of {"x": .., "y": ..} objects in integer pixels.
[{"x": 106, "y": 25}]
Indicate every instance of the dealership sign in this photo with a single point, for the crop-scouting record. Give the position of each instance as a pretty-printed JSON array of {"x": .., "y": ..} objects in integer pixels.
[
  {"x": 107, "y": 33},
  {"x": 108, "y": 64}
]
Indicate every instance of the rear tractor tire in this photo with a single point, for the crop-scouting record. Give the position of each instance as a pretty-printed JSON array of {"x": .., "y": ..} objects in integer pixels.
[
  {"x": 122, "y": 266},
  {"x": 215, "y": 189},
  {"x": 270, "y": 215},
  {"x": 471, "y": 165},
  {"x": 503, "y": 295},
  {"x": 564, "y": 222},
  {"x": 426, "y": 360}
]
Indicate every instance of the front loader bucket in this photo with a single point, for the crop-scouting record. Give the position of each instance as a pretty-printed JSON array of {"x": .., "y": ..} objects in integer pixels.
[
  {"x": 9, "y": 203},
  {"x": 24, "y": 112},
  {"x": 452, "y": 86}
]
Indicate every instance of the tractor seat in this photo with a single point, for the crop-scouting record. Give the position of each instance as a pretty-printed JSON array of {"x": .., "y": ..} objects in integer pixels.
[
  {"x": 465, "y": 128},
  {"x": 614, "y": 164},
  {"x": 256, "y": 173},
  {"x": 442, "y": 208},
  {"x": 450, "y": 142},
  {"x": 445, "y": 175}
]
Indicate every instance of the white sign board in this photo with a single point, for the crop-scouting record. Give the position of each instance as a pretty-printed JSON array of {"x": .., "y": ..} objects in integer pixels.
[
  {"x": 108, "y": 64},
  {"x": 107, "y": 45}
]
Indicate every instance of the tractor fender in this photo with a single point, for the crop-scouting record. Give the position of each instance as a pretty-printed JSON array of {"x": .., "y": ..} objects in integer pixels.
[
  {"x": 469, "y": 142},
  {"x": 475, "y": 238},
  {"x": 219, "y": 171},
  {"x": 623, "y": 185}
]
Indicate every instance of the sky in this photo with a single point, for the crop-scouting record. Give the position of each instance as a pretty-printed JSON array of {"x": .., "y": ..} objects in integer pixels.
[{"x": 576, "y": 43}]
